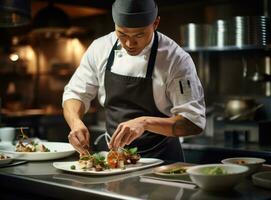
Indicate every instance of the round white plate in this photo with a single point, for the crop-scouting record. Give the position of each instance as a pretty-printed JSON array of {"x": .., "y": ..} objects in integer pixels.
[
  {"x": 262, "y": 179},
  {"x": 5, "y": 161},
  {"x": 57, "y": 150},
  {"x": 141, "y": 164}
]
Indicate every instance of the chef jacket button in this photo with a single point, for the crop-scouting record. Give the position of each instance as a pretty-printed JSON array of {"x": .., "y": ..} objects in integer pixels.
[
  {"x": 120, "y": 55},
  {"x": 145, "y": 57}
]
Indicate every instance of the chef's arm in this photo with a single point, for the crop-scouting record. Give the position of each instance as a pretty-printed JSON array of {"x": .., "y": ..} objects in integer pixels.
[
  {"x": 176, "y": 126},
  {"x": 79, "y": 134},
  {"x": 73, "y": 110}
]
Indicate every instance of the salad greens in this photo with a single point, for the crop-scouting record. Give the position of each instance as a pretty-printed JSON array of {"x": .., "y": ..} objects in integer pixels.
[{"x": 214, "y": 171}]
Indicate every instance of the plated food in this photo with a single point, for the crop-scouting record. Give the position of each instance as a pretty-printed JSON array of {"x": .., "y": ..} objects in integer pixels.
[
  {"x": 217, "y": 177},
  {"x": 4, "y": 159},
  {"x": 114, "y": 159},
  {"x": 215, "y": 170},
  {"x": 27, "y": 149},
  {"x": 57, "y": 150},
  {"x": 254, "y": 164},
  {"x": 175, "y": 170},
  {"x": 74, "y": 167},
  {"x": 25, "y": 144}
]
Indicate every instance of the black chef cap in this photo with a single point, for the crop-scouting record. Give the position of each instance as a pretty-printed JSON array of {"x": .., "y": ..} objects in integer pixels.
[{"x": 134, "y": 13}]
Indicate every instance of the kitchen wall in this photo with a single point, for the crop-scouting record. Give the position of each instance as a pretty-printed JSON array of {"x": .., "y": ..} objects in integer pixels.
[{"x": 54, "y": 60}]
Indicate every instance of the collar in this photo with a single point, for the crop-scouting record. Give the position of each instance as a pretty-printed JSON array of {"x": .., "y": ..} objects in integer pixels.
[{"x": 143, "y": 52}]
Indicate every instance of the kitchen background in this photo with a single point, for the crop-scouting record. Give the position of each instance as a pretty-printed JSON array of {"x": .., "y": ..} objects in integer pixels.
[{"x": 229, "y": 41}]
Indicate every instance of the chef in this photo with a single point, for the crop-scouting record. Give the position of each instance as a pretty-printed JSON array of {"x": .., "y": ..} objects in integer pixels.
[{"x": 147, "y": 84}]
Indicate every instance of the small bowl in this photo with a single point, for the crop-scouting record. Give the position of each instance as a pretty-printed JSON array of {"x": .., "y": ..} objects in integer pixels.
[
  {"x": 253, "y": 164},
  {"x": 262, "y": 179},
  {"x": 217, "y": 177}
]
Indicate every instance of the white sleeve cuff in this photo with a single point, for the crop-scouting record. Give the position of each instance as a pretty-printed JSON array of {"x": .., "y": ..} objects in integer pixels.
[
  {"x": 195, "y": 113},
  {"x": 85, "y": 101}
]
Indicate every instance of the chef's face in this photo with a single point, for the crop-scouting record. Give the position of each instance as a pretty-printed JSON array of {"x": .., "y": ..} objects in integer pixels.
[{"x": 134, "y": 40}]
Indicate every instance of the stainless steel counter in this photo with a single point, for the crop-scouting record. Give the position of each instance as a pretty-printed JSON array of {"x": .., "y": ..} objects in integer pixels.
[
  {"x": 41, "y": 180},
  {"x": 203, "y": 150}
]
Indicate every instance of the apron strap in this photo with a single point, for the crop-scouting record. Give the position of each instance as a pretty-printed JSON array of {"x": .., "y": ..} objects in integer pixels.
[
  {"x": 152, "y": 56},
  {"x": 111, "y": 57}
]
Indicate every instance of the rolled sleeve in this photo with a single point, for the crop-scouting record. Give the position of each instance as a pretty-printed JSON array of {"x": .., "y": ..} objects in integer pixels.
[
  {"x": 186, "y": 93},
  {"x": 83, "y": 85}
]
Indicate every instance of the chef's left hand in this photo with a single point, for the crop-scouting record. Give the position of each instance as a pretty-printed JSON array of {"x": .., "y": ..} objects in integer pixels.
[{"x": 127, "y": 132}]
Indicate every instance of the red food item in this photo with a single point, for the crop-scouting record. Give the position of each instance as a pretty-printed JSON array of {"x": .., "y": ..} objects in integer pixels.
[{"x": 112, "y": 159}]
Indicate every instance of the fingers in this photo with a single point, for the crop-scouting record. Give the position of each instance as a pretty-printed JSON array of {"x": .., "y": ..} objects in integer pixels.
[
  {"x": 79, "y": 140},
  {"x": 121, "y": 137},
  {"x": 128, "y": 137},
  {"x": 126, "y": 132},
  {"x": 113, "y": 138}
]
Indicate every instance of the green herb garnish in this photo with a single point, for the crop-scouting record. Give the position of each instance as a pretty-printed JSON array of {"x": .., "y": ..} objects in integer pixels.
[{"x": 73, "y": 167}]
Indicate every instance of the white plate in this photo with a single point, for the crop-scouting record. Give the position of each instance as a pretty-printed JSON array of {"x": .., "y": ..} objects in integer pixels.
[
  {"x": 141, "y": 164},
  {"x": 57, "y": 150},
  {"x": 5, "y": 161},
  {"x": 262, "y": 179}
]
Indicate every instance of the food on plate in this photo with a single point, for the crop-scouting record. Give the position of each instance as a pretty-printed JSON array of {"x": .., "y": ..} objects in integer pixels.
[
  {"x": 73, "y": 167},
  {"x": 130, "y": 155},
  {"x": 3, "y": 157},
  {"x": 95, "y": 161},
  {"x": 240, "y": 162},
  {"x": 177, "y": 170},
  {"x": 27, "y": 145},
  {"x": 214, "y": 171},
  {"x": 116, "y": 159}
]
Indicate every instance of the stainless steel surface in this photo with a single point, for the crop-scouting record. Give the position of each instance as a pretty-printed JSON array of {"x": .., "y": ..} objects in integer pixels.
[
  {"x": 228, "y": 48},
  {"x": 46, "y": 179},
  {"x": 220, "y": 34},
  {"x": 236, "y": 33},
  {"x": 195, "y": 35},
  {"x": 250, "y": 30}
]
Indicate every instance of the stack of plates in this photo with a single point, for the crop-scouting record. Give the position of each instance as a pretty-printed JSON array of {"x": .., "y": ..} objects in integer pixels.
[{"x": 250, "y": 30}]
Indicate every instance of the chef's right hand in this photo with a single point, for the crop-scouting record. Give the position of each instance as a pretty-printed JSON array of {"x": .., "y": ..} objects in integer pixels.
[{"x": 79, "y": 137}]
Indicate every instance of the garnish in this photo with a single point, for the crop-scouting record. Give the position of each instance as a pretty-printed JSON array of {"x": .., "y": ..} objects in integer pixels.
[{"x": 73, "y": 167}]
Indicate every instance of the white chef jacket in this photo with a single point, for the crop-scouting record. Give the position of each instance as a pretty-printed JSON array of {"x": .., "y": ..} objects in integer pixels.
[{"x": 176, "y": 87}]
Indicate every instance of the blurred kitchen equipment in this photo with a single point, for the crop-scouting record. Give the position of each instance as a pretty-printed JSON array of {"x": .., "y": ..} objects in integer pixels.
[
  {"x": 7, "y": 135},
  {"x": 221, "y": 33},
  {"x": 260, "y": 30},
  {"x": 250, "y": 30},
  {"x": 195, "y": 35},
  {"x": 257, "y": 76},
  {"x": 14, "y": 13},
  {"x": 238, "y": 109},
  {"x": 240, "y": 31},
  {"x": 50, "y": 21},
  {"x": 264, "y": 133},
  {"x": 241, "y": 109},
  {"x": 236, "y": 137}
]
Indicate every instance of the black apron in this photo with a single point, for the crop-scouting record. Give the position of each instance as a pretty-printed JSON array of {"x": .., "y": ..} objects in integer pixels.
[{"x": 131, "y": 97}]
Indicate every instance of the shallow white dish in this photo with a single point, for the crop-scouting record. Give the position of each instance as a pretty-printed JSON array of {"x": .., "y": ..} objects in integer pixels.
[
  {"x": 162, "y": 170},
  {"x": 254, "y": 164},
  {"x": 5, "y": 161},
  {"x": 211, "y": 182},
  {"x": 262, "y": 179},
  {"x": 57, "y": 150},
  {"x": 141, "y": 164}
]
